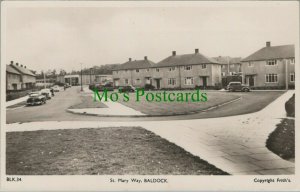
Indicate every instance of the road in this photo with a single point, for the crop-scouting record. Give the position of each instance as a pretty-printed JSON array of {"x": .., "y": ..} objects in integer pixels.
[{"x": 55, "y": 109}]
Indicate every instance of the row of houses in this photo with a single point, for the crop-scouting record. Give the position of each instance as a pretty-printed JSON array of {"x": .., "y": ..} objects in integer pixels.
[
  {"x": 271, "y": 66},
  {"x": 19, "y": 77}
]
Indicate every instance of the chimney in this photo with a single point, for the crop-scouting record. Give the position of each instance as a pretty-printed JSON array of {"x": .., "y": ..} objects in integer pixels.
[
  {"x": 129, "y": 59},
  {"x": 11, "y": 62},
  {"x": 196, "y": 50},
  {"x": 17, "y": 64},
  {"x": 268, "y": 44},
  {"x": 174, "y": 53},
  {"x": 145, "y": 58}
]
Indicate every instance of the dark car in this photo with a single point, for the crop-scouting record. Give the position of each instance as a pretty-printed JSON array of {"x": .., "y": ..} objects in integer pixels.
[
  {"x": 108, "y": 87},
  {"x": 36, "y": 100},
  {"x": 128, "y": 88},
  {"x": 237, "y": 86},
  {"x": 149, "y": 87}
]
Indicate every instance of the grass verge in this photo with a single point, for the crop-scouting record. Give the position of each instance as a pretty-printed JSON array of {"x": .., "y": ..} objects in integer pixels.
[
  {"x": 88, "y": 102},
  {"x": 107, "y": 151},
  {"x": 282, "y": 140}
]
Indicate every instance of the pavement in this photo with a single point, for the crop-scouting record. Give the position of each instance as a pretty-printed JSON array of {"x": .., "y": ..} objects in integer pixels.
[
  {"x": 235, "y": 144},
  {"x": 16, "y": 101}
]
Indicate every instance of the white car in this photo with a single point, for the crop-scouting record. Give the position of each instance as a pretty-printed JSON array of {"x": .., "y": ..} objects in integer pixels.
[
  {"x": 47, "y": 93},
  {"x": 56, "y": 88}
]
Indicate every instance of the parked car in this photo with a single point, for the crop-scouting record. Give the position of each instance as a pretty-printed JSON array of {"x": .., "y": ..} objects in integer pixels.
[
  {"x": 108, "y": 87},
  {"x": 36, "y": 100},
  {"x": 237, "y": 86},
  {"x": 67, "y": 85},
  {"x": 47, "y": 93},
  {"x": 56, "y": 88},
  {"x": 149, "y": 87},
  {"x": 128, "y": 88}
]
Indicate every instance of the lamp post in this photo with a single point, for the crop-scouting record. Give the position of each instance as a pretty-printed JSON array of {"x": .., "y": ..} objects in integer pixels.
[
  {"x": 91, "y": 75},
  {"x": 81, "y": 77}
]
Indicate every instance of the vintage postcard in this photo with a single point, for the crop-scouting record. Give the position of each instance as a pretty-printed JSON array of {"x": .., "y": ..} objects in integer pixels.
[{"x": 149, "y": 95}]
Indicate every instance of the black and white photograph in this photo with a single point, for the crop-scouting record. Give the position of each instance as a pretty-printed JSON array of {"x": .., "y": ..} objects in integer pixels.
[{"x": 150, "y": 95}]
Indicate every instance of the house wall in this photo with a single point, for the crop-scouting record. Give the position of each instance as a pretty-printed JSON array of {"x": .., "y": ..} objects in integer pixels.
[
  {"x": 13, "y": 79},
  {"x": 120, "y": 77},
  {"x": 28, "y": 81},
  {"x": 212, "y": 72},
  {"x": 260, "y": 69}
]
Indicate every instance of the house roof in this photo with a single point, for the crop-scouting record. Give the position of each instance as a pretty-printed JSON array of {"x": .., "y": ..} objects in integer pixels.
[
  {"x": 136, "y": 64},
  {"x": 272, "y": 52},
  {"x": 186, "y": 59},
  {"x": 23, "y": 70},
  {"x": 228, "y": 60},
  {"x": 10, "y": 69}
]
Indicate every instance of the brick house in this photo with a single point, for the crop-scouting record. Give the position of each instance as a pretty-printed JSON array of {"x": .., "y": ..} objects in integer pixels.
[
  {"x": 13, "y": 79},
  {"x": 137, "y": 73},
  {"x": 270, "y": 67},
  {"x": 28, "y": 78},
  {"x": 186, "y": 71}
]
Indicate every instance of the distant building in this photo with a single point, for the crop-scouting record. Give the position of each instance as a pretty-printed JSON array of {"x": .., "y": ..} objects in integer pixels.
[
  {"x": 72, "y": 79},
  {"x": 86, "y": 79},
  {"x": 137, "y": 73},
  {"x": 271, "y": 66},
  {"x": 230, "y": 65},
  {"x": 47, "y": 82},
  {"x": 19, "y": 77}
]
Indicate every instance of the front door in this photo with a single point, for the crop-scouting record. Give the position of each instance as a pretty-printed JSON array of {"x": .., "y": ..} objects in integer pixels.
[
  {"x": 251, "y": 80},
  {"x": 157, "y": 83},
  {"x": 204, "y": 79}
]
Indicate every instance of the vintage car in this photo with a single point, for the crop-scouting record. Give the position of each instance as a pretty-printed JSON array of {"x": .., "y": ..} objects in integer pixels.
[
  {"x": 36, "y": 99},
  {"x": 237, "y": 86},
  {"x": 47, "y": 93},
  {"x": 56, "y": 88},
  {"x": 128, "y": 88}
]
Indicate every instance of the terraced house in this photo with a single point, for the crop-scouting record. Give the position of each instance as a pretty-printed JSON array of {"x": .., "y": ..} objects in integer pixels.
[
  {"x": 270, "y": 67},
  {"x": 186, "y": 71},
  {"x": 137, "y": 73}
]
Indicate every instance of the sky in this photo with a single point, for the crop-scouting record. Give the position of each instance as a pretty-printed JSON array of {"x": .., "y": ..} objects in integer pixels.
[{"x": 68, "y": 37}]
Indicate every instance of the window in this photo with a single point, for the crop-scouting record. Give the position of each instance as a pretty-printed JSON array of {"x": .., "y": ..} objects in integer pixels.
[
  {"x": 230, "y": 73},
  {"x": 292, "y": 77},
  {"x": 126, "y": 81},
  {"x": 223, "y": 73},
  {"x": 189, "y": 81},
  {"x": 137, "y": 70},
  {"x": 137, "y": 81},
  {"x": 148, "y": 70},
  {"x": 271, "y": 78},
  {"x": 171, "y": 81},
  {"x": 272, "y": 62},
  {"x": 203, "y": 66},
  {"x": 188, "y": 67},
  {"x": 293, "y": 61},
  {"x": 157, "y": 69},
  {"x": 172, "y": 69},
  {"x": 250, "y": 64}
]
